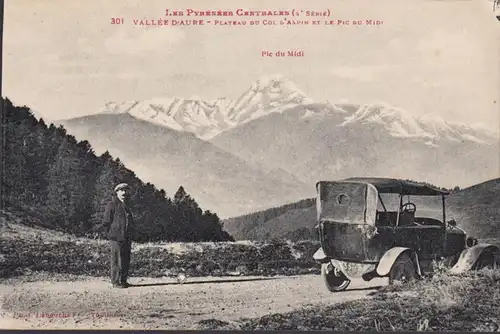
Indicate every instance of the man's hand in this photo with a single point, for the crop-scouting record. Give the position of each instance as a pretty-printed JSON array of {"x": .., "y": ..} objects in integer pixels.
[
  {"x": 95, "y": 232},
  {"x": 91, "y": 234}
]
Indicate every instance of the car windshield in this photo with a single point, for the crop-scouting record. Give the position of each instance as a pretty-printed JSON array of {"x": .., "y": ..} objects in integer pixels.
[
  {"x": 424, "y": 206},
  {"x": 347, "y": 202}
]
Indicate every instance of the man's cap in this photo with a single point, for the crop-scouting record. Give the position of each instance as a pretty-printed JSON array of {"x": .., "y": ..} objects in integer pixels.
[{"x": 122, "y": 186}]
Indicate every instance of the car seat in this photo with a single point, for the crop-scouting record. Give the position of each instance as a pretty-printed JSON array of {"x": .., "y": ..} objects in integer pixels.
[{"x": 406, "y": 218}]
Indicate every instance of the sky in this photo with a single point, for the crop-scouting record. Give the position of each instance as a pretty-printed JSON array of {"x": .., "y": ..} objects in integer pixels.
[{"x": 64, "y": 58}]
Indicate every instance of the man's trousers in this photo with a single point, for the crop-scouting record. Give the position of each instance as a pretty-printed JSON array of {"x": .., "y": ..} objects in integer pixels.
[{"x": 120, "y": 261}]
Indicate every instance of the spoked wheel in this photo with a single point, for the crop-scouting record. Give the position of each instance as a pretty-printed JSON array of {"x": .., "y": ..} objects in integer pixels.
[
  {"x": 403, "y": 270},
  {"x": 487, "y": 260},
  {"x": 335, "y": 280}
]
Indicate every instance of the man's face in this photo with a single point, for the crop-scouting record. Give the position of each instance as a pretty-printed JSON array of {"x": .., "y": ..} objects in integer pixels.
[{"x": 122, "y": 193}]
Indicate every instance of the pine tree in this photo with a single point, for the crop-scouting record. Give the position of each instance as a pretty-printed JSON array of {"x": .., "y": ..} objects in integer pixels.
[
  {"x": 180, "y": 195},
  {"x": 103, "y": 190},
  {"x": 19, "y": 159},
  {"x": 66, "y": 198},
  {"x": 48, "y": 171},
  {"x": 183, "y": 215}
]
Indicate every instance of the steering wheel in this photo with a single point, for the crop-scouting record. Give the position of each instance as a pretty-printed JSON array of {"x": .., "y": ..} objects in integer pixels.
[{"x": 408, "y": 207}]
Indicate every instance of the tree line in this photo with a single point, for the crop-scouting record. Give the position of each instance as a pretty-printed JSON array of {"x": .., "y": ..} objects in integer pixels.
[
  {"x": 250, "y": 225},
  {"x": 47, "y": 172},
  {"x": 450, "y": 190}
]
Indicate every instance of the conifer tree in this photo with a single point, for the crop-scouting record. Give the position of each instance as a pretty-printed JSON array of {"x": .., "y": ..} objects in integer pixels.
[
  {"x": 66, "y": 197},
  {"x": 103, "y": 190},
  {"x": 47, "y": 171}
]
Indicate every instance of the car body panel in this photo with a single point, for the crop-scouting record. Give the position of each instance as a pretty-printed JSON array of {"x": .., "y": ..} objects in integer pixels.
[
  {"x": 469, "y": 256},
  {"x": 386, "y": 262},
  {"x": 426, "y": 241},
  {"x": 319, "y": 255},
  {"x": 357, "y": 231},
  {"x": 355, "y": 242},
  {"x": 352, "y": 229}
]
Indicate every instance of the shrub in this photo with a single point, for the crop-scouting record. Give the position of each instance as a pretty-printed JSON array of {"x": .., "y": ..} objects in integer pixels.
[{"x": 217, "y": 259}]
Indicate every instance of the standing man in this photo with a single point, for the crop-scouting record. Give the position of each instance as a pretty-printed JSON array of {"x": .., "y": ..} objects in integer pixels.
[{"x": 119, "y": 223}]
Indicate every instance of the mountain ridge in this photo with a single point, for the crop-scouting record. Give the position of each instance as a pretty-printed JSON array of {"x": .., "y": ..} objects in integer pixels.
[
  {"x": 277, "y": 94},
  {"x": 167, "y": 158},
  {"x": 282, "y": 142}
]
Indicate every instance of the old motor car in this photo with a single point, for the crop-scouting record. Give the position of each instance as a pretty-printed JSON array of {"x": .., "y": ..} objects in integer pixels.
[{"x": 382, "y": 227}]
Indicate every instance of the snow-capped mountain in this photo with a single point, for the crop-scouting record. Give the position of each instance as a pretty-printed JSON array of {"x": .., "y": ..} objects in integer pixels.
[
  {"x": 269, "y": 146},
  {"x": 277, "y": 94},
  {"x": 430, "y": 128},
  {"x": 318, "y": 148},
  {"x": 206, "y": 119},
  {"x": 265, "y": 96},
  {"x": 398, "y": 122}
]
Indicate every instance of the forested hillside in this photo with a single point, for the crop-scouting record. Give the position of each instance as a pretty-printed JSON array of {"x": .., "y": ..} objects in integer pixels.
[
  {"x": 476, "y": 209},
  {"x": 294, "y": 221},
  {"x": 47, "y": 172}
]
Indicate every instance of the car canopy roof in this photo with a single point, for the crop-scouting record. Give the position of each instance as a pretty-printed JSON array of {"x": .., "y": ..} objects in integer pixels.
[{"x": 388, "y": 185}]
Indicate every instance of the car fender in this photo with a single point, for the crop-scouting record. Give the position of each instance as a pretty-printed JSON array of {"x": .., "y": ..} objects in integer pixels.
[
  {"x": 385, "y": 264},
  {"x": 469, "y": 256},
  {"x": 320, "y": 255}
]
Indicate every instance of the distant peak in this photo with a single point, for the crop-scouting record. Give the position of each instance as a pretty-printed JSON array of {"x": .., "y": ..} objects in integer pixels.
[
  {"x": 276, "y": 83},
  {"x": 276, "y": 93},
  {"x": 271, "y": 79}
]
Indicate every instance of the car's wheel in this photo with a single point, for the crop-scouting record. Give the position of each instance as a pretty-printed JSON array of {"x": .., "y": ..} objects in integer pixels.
[
  {"x": 335, "y": 280},
  {"x": 486, "y": 260},
  {"x": 403, "y": 270}
]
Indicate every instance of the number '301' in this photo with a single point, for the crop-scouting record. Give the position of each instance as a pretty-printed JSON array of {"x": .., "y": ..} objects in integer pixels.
[{"x": 117, "y": 20}]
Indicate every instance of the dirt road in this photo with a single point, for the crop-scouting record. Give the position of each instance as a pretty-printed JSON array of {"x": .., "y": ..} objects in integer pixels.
[{"x": 163, "y": 303}]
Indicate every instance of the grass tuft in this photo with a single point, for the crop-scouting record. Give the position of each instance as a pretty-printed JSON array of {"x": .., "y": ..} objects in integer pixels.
[{"x": 467, "y": 302}]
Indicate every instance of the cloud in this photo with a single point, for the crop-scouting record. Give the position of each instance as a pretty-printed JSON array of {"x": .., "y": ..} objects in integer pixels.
[
  {"x": 367, "y": 73},
  {"x": 139, "y": 40},
  {"x": 449, "y": 50}
]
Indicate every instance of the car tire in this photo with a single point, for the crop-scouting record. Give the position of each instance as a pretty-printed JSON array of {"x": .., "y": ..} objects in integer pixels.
[
  {"x": 334, "y": 283},
  {"x": 403, "y": 270},
  {"x": 486, "y": 260}
]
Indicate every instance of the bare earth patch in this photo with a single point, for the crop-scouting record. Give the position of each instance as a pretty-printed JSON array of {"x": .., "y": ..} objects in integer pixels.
[{"x": 200, "y": 303}]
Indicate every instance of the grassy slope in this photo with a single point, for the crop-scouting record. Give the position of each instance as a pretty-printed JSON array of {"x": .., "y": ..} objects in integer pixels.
[
  {"x": 285, "y": 224},
  {"x": 477, "y": 209},
  {"x": 276, "y": 222},
  {"x": 297, "y": 224}
]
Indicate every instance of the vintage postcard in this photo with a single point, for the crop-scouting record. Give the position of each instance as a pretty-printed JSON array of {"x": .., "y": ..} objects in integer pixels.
[{"x": 250, "y": 165}]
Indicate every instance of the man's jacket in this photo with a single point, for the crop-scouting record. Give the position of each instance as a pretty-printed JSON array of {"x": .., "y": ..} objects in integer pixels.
[{"x": 118, "y": 220}]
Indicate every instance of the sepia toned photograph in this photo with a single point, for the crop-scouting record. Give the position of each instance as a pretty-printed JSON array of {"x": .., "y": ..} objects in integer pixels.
[{"x": 250, "y": 165}]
